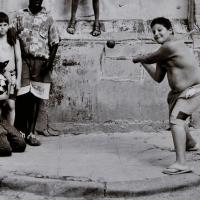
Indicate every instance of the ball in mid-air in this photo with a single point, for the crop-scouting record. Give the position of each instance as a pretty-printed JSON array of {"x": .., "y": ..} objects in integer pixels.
[{"x": 110, "y": 43}]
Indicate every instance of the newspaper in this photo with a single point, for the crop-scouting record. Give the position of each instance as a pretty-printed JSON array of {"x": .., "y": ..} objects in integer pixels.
[{"x": 40, "y": 90}]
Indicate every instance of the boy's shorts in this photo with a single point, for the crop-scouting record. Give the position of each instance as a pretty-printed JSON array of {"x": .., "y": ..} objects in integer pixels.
[
  {"x": 182, "y": 105},
  {"x": 32, "y": 70}
]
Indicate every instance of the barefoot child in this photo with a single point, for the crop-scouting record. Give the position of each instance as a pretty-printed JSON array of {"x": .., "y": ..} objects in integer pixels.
[
  {"x": 175, "y": 60},
  {"x": 10, "y": 63},
  {"x": 96, "y": 27}
]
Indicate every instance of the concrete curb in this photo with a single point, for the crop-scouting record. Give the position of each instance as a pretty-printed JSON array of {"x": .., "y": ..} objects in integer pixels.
[
  {"x": 151, "y": 186},
  {"x": 60, "y": 188},
  {"x": 52, "y": 187}
]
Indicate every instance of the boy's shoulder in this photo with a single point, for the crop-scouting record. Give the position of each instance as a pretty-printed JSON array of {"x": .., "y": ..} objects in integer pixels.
[
  {"x": 26, "y": 10},
  {"x": 172, "y": 45}
]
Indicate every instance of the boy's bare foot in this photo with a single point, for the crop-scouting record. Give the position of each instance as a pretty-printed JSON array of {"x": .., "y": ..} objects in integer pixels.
[
  {"x": 96, "y": 29},
  {"x": 176, "y": 169},
  {"x": 71, "y": 27}
]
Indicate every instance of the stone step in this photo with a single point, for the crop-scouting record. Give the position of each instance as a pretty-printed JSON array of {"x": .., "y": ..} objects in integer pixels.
[{"x": 120, "y": 30}]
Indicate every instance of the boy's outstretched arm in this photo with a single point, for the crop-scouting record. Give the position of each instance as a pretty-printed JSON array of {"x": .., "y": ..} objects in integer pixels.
[
  {"x": 156, "y": 72},
  {"x": 163, "y": 53}
]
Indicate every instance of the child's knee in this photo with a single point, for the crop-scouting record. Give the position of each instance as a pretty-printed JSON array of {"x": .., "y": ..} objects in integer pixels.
[
  {"x": 17, "y": 142},
  {"x": 19, "y": 147},
  {"x": 5, "y": 151},
  {"x": 11, "y": 105},
  {"x": 5, "y": 148}
]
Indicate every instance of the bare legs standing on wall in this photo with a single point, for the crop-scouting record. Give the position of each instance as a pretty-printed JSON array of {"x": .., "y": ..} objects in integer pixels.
[{"x": 72, "y": 23}]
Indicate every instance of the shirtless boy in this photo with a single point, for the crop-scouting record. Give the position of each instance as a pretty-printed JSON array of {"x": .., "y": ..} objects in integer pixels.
[{"x": 177, "y": 61}]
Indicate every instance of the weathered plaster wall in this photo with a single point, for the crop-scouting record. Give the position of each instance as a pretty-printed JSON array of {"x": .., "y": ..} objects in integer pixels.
[
  {"x": 99, "y": 87},
  {"x": 109, "y": 9},
  {"x": 90, "y": 83},
  {"x": 123, "y": 9}
]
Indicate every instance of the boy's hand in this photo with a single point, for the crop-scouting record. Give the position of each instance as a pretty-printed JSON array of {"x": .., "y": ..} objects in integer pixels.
[
  {"x": 138, "y": 58},
  {"x": 46, "y": 68},
  {"x": 135, "y": 59}
]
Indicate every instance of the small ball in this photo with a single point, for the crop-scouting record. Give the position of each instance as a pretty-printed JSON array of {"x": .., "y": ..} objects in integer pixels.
[
  {"x": 178, "y": 7},
  {"x": 110, "y": 43}
]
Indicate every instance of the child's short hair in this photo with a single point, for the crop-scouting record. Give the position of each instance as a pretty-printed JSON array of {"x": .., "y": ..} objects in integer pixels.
[
  {"x": 4, "y": 17},
  {"x": 163, "y": 21},
  {"x": 11, "y": 34}
]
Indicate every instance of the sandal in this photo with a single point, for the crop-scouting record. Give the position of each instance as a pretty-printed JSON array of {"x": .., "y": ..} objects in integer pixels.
[
  {"x": 96, "y": 30},
  {"x": 175, "y": 169},
  {"x": 71, "y": 27}
]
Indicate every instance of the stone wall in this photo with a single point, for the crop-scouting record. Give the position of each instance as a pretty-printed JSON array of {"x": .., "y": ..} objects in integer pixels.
[
  {"x": 90, "y": 83},
  {"x": 109, "y": 9}
]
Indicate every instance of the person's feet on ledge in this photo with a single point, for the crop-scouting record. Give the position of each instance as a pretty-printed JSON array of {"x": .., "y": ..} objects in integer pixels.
[
  {"x": 71, "y": 26},
  {"x": 96, "y": 29},
  {"x": 32, "y": 140}
]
